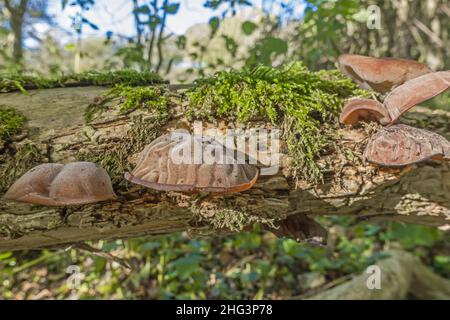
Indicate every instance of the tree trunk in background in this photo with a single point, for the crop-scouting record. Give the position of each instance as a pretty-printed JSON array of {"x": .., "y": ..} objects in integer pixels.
[
  {"x": 410, "y": 29},
  {"x": 17, "y": 15},
  {"x": 414, "y": 29},
  {"x": 57, "y": 132}
]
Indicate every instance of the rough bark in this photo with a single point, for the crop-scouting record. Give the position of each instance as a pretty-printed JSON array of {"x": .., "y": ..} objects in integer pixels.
[
  {"x": 402, "y": 275},
  {"x": 417, "y": 194}
]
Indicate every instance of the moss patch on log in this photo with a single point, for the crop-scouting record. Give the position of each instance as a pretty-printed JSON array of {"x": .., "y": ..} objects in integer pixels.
[
  {"x": 14, "y": 164},
  {"x": 304, "y": 104},
  {"x": 11, "y": 122},
  {"x": 22, "y": 82},
  {"x": 151, "y": 99}
]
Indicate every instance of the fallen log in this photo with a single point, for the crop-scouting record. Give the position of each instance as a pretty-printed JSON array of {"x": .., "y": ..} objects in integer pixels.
[{"x": 57, "y": 131}]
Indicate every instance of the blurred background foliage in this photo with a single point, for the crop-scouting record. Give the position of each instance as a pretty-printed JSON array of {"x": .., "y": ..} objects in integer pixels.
[
  {"x": 252, "y": 265},
  {"x": 239, "y": 33}
]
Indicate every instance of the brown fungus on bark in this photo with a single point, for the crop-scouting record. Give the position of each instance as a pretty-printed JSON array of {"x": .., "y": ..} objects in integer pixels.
[
  {"x": 53, "y": 184},
  {"x": 398, "y": 101},
  {"x": 415, "y": 91},
  {"x": 380, "y": 74},
  {"x": 401, "y": 145},
  {"x": 182, "y": 162},
  {"x": 356, "y": 110}
]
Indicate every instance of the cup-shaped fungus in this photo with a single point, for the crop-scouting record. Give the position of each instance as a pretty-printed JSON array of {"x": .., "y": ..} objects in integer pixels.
[
  {"x": 357, "y": 110},
  {"x": 401, "y": 145},
  {"x": 53, "y": 184},
  {"x": 398, "y": 101},
  {"x": 415, "y": 91},
  {"x": 182, "y": 162},
  {"x": 380, "y": 74}
]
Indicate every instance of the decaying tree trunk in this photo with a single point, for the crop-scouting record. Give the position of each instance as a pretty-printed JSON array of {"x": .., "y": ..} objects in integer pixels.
[{"x": 58, "y": 132}]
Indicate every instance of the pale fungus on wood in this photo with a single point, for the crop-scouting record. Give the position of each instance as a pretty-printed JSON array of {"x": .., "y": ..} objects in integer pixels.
[
  {"x": 380, "y": 74},
  {"x": 170, "y": 163},
  {"x": 412, "y": 87},
  {"x": 53, "y": 184}
]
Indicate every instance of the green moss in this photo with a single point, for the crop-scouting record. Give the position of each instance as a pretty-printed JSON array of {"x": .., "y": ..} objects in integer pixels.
[
  {"x": 13, "y": 166},
  {"x": 10, "y": 122},
  {"x": 304, "y": 104},
  {"x": 151, "y": 99},
  {"x": 17, "y": 81}
]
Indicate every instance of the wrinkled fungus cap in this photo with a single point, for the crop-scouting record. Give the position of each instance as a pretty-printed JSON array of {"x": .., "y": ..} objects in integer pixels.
[
  {"x": 380, "y": 74},
  {"x": 401, "y": 145},
  {"x": 356, "y": 110},
  {"x": 53, "y": 184},
  {"x": 161, "y": 166}
]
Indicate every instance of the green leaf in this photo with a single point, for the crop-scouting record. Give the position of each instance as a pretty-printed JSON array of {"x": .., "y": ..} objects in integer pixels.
[
  {"x": 248, "y": 27},
  {"x": 187, "y": 265},
  {"x": 214, "y": 23},
  {"x": 231, "y": 45},
  {"x": 172, "y": 8},
  {"x": 412, "y": 235},
  {"x": 153, "y": 22},
  {"x": 181, "y": 42},
  {"x": 289, "y": 246},
  {"x": 265, "y": 49},
  {"x": 70, "y": 47},
  {"x": 5, "y": 255},
  {"x": 143, "y": 9},
  {"x": 442, "y": 263}
]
